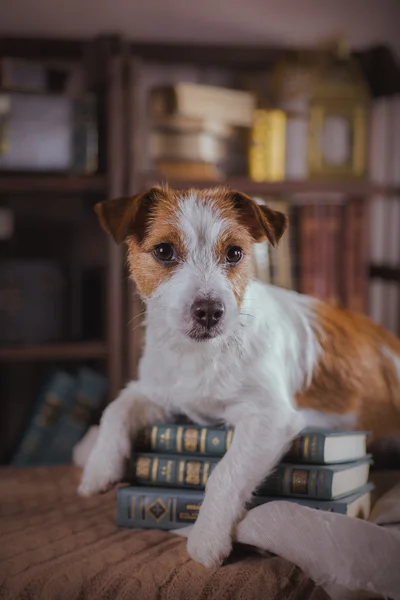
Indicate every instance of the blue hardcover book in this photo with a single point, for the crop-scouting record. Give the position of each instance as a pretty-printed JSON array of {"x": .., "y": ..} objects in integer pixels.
[
  {"x": 57, "y": 393},
  {"x": 169, "y": 508},
  {"x": 91, "y": 389}
]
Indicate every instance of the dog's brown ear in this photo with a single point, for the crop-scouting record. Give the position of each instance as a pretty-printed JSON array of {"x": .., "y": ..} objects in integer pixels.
[
  {"x": 262, "y": 221},
  {"x": 125, "y": 217}
]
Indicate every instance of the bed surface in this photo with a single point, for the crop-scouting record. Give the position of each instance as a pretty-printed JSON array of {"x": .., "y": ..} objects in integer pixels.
[{"x": 56, "y": 545}]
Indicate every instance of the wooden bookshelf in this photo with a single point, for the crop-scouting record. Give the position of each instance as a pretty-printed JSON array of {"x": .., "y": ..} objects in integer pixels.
[
  {"x": 102, "y": 65},
  {"x": 14, "y": 183},
  {"x": 289, "y": 187},
  {"x": 60, "y": 351}
]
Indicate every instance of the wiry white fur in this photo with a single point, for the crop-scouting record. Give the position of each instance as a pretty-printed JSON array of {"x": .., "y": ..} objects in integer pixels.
[{"x": 247, "y": 377}]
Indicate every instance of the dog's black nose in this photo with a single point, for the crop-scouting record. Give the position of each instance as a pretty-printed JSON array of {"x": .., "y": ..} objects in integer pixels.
[{"x": 207, "y": 312}]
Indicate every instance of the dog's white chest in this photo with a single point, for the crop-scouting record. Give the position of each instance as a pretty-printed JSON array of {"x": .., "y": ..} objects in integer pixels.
[{"x": 194, "y": 384}]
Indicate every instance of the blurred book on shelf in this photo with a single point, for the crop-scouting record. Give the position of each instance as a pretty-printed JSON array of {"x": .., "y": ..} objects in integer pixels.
[
  {"x": 199, "y": 131},
  {"x": 44, "y": 76},
  {"x": 70, "y": 143},
  {"x": 384, "y": 248},
  {"x": 307, "y": 259}
]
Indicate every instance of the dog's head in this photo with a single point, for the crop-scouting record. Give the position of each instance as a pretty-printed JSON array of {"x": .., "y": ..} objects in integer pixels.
[{"x": 190, "y": 252}]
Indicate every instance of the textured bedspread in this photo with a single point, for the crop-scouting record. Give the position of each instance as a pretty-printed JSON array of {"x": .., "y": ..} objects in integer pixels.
[{"x": 55, "y": 545}]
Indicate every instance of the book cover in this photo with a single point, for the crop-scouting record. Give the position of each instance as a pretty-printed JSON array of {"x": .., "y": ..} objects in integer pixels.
[
  {"x": 281, "y": 257},
  {"x": 91, "y": 388},
  {"x": 314, "y": 446},
  {"x": 192, "y": 146},
  {"x": 197, "y": 171},
  {"x": 174, "y": 438},
  {"x": 321, "y": 482},
  {"x": 324, "y": 482},
  {"x": 294, "y": 245},
  {"x": 308, "y": 249},
  {"x": 159, "y": 508},
  {"x": 378, "y": 257},
  {"x": 57, "y": 394},
  {"x": 193, "y": 100},
  {"x": 355, "y": 264},
  {"x": 333, "y": 252},
  {"x": 267, "y": 145},
  {"x": 172, "y": 470}
]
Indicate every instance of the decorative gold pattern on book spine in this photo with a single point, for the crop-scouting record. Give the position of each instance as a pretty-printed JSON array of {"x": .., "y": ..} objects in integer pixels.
[
  {"x": 312, "y": 483},
  {"x": 181, "y": 471},
  {"x": 206, "y": 471},
  {"x": 299, "y": 481},
  {"x": 179, "y": 435},
  {"x": 190, "y": 440},
  {"x": 154, "y": 432},
  {"x": 143, "y": 467},
  {"x": 193, "y": 473},
  {"x": 313, "y": 447},
  {"x": 229, "y": 437},
  {"x": 267, "y": 147},
  {"x": 306, "y": 445},
  {"x": 154, "y": 470},
  {"x": 168, "y": 437},
  {"x": 203, "y": 436}
]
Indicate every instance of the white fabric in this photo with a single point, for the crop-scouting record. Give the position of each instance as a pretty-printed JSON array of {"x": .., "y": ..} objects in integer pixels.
[{"x": 346, "y": 556}]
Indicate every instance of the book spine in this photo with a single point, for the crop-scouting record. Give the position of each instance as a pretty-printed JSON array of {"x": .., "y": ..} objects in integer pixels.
[
  {"x": 307, "y": 448},
  {"x": 185, "y": 439},
  {"x": 308, "y": 249},
  {"x": 56, "y": 394},
  {"x": 355, "y": 263},
  {"x": 175, "y": 471},
  {"x": 90, "y": 393},
  {"x": 85, "y": 136},
  {"x": 294, "y": 246},
  {"x": 321, "y": 268},
  {"x": 159, "y": 509},
  {"x": 283, "y": 265},
  {"x": 267, "y": 146},
  {"x": 290, "y": 480},
  {"x": 333, "y": 233},
  {"x": 147, "y": 508},
  {"x": 193, "y": 473}
]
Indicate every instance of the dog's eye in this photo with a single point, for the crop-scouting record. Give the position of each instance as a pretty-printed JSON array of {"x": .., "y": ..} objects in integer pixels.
[
  {"x": 164, "y": 252},
  {"x": 234, "y": 254}
]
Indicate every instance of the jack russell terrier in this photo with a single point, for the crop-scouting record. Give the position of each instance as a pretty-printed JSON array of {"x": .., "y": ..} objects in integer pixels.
[{"x": 221, "y": 346}]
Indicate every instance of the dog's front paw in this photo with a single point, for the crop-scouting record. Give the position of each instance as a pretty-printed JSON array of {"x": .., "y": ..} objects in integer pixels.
[
  {"x": 101, "y": 473},
  {"x": 208, "y": 545}
]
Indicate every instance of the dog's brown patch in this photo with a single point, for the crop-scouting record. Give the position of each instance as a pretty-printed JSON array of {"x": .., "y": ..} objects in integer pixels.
[
  {"x": 355, "y": 373},
  {"x": 237, "y": 274},
  {"x": 161, "y": 227}
]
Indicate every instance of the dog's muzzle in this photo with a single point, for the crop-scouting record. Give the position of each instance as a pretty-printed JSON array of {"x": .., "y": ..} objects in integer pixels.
[{"x": 207, "y": 316}]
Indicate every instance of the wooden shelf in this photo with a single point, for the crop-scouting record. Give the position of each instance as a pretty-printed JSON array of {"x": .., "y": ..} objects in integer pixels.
[
  {"x": 54, "y": 351},
  {"x": 23, "y": 183},
  {"x": 289, "y": 187},
  {"x": 385, "y": 272}
]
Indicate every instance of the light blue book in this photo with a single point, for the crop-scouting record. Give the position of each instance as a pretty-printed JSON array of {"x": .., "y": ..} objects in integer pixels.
[
  {"x": 57, "y": 394},
  {"x": 91, "y": 388}
]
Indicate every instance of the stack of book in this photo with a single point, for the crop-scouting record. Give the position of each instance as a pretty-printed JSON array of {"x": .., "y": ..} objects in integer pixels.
[
  {"x": 199, "y": 131},
  {"x": 326, "y": 470}
]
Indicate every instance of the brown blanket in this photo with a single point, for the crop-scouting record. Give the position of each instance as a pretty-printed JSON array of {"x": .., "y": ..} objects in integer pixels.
[{"x": 55, "y": 545}]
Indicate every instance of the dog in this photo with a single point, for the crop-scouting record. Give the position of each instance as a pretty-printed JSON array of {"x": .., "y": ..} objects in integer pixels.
[{"x": 222, "y": 346}]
